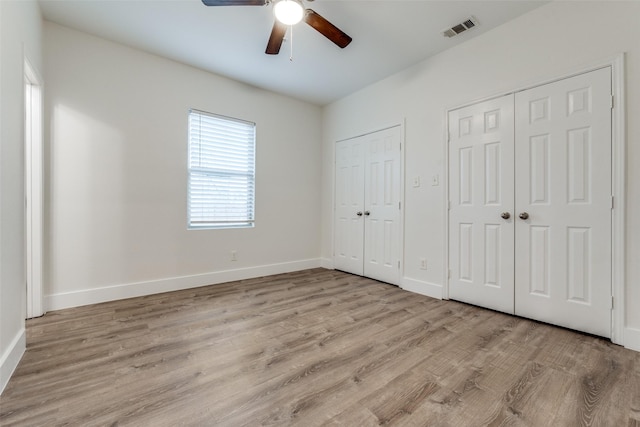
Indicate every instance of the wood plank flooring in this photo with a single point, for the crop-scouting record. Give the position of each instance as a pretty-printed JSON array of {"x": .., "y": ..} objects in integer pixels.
[{"x": 313, "y": 348}]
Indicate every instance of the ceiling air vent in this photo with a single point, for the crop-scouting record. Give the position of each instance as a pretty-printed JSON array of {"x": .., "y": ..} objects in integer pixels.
[{"x": 461, "y": 27}]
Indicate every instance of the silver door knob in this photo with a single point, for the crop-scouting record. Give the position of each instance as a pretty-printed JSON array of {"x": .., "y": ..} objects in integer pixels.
[
  {"x": 367, "y": 213},
  {"x": 505, "y": 215},
  {"x": 359, "y": 213},
  {"x": 524, "y": 215}
]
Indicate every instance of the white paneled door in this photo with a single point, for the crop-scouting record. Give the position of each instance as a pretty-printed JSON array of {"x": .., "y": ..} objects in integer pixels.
[
  {"x": 367, "y": 205},
  {"x": 481, "y": 196},
  {"x": 530, "y": 194},
  {"x": 349, "y": 207},
  {"x": 563, "y": 202}
]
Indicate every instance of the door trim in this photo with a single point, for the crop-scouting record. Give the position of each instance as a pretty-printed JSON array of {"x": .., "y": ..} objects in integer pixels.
[
  {"x": 401, "y": 125},
  {"x": 618, "y": 192},
  {"x": 33, "y": 132}
]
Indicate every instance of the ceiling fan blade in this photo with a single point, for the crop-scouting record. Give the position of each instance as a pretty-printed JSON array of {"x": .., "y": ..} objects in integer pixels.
[
  {"x": 276, "y": 38},
  {"x": 327, "y": 29},
  {"x": 234, "y": 2}
]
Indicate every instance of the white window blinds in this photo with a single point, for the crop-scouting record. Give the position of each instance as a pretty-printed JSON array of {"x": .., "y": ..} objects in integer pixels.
[{"x": 221, "y": 171}]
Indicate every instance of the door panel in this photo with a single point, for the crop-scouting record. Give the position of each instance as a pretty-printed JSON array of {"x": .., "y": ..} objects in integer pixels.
[
  {"x": 563, "y": 182},
  {"x": 349, "y": 231},
  {"x": 382, "y": 224},
  {"x": 480, "y": 190}
]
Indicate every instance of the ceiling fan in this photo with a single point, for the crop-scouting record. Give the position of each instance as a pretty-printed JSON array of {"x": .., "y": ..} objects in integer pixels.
[{"x": 290, "y": 12}]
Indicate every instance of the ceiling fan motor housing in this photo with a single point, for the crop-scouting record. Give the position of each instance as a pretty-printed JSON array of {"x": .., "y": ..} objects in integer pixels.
[{"x": 314, "y": 19}]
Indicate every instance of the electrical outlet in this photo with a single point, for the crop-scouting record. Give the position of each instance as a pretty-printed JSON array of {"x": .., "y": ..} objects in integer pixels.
[
  {"x": 423, "y": 263},
  {"x": 234, "y": 255}
]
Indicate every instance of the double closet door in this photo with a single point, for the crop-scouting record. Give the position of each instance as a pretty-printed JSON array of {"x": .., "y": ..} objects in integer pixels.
[
  {"x": 367, "y": 205},
  {"x": 530, "y": 203}
]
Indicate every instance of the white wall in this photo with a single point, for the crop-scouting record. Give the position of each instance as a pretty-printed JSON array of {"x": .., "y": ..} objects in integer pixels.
[
  {"x": 554, "y": 40},
  {"x": 116, "y": 196},
  {"x": 20, "y": 36}
]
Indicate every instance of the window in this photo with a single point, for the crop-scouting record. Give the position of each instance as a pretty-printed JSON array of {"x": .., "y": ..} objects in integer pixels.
[{"x": 221, "y": 171}]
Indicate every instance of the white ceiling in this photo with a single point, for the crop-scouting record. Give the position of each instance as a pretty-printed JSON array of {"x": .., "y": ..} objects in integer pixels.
[{"x": 388, "y": 36}]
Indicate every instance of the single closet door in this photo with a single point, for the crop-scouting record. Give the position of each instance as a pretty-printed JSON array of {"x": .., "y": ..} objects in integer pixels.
[
  {"x": 367, "y": 205},
  {"x": 563, "y": 202},
  {"x": 481, "y": 230},
  {"x": 382, "y": 205},
  {"x": 349, "y": 206}
]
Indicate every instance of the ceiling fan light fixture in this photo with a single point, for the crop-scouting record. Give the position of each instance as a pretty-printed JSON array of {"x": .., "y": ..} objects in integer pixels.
[{"x": 288, "y": 12}]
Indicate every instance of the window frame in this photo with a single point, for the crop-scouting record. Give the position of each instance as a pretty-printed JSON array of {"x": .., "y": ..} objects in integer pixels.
[{"x": 248, "y": 193}]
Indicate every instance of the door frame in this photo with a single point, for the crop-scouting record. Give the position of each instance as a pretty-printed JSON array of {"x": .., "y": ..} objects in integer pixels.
[
  {"x": 392, "y": 124},
  {"x": 618, "y": 190},
  {"x": 33, "y": 188}
]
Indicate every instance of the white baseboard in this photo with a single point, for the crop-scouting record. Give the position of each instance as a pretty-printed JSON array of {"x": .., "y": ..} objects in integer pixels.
[
  {"x": 632, "y": 339},
  {"x": 424, "y": 288},
  {"x": 327, "y": 263},
  {"x": 11, "y": 358},
  {"x": 132, "y": 290}
]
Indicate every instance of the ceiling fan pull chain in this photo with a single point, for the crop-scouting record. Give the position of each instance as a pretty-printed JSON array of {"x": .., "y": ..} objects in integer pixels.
[{"x": 291, "y": 44}]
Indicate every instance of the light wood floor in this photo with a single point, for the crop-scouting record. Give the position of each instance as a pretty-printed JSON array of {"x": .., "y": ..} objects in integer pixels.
[{"x": 313, "y": 348}]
